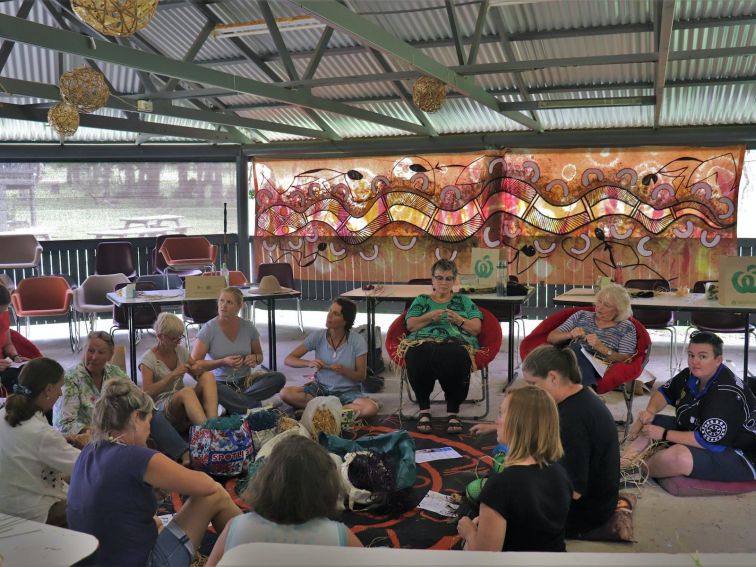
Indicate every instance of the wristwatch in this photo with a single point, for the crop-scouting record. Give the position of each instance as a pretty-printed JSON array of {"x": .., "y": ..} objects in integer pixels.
[{"x": 609, "y": 352}]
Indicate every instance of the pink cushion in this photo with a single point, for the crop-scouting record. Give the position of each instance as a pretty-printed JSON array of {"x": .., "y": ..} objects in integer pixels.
[{"x": 686, "y": 486}]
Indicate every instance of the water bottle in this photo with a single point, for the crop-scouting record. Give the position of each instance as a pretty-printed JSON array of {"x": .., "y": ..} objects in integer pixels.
[
  {"x": 502, "y": 278},
  {"x": 224, "y": 273}
]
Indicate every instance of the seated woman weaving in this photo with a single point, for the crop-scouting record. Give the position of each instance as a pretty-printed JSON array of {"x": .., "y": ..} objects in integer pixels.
[
  {"x": 229, "y": 347},
  {"x": 605, "y": 332},
  {"x": 443, "y": 329},
  {"x": 340, "y": 362},
  {"x": 712, "y": 435}
]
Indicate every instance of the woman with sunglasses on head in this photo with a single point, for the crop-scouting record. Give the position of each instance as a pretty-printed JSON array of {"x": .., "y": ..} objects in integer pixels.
[
  {"x": 113, "y": 497},
  {"x": 229, "y": 347},
  {"x": 35, "y": 459},
  {"x": 163, "y": 368},
  {"x": 443, "y": 329},
  {"x": 72, "y": 414},
  {"x": 712, "y": 435}
]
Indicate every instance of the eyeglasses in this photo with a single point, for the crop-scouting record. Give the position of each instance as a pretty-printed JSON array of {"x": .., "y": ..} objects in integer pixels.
[
  {"x": 443, "y": 278},
  {"x": 102, "y": 335}
]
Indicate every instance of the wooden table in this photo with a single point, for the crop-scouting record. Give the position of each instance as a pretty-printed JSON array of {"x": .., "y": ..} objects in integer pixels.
[
  {"x": 176, "y": 296},
  {"x": 25, "y": 542},
  {"x": 406, "y": 292},
  {"x": 138, "y": 232},
  {"x": 666, "y": 301},
  {"x": 154, "y": 221}
]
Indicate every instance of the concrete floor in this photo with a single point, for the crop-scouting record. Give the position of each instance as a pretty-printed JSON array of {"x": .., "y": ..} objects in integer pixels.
[{"x": 663, "y": 523}]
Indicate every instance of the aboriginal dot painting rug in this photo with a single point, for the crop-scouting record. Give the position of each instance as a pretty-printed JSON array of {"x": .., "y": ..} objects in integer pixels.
[{"x": 415, "y": 528}]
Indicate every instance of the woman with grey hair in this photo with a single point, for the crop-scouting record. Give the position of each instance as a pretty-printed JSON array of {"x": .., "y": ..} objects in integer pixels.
[
  {"x": 113, "y": 484},
  {"x": 605, "y": 332},
  {"x": 443, "y": 337}
]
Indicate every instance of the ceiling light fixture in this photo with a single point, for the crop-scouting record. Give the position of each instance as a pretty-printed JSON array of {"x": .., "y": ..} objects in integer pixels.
[{"x": 258, "y": 27}]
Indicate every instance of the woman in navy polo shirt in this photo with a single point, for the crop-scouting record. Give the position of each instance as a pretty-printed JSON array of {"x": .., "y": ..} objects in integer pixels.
[{"x": 713, "y": 431}]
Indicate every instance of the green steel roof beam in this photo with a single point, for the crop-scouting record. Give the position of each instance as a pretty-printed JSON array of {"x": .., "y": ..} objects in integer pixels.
[
  {"x": 365, "y": 31},
  {"x": 44, "y": 36}
]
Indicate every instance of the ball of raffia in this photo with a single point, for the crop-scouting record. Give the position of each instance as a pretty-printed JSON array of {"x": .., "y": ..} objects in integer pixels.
[
  {"x": 64, "y": 119},
  {"x": 115, "y": 17},
  {"x": 428, "y": 93},
  {"x": 84, "y": 88}
]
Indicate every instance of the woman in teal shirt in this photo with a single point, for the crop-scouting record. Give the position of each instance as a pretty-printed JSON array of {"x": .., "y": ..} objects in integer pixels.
[{"x": 443, "y": 329}]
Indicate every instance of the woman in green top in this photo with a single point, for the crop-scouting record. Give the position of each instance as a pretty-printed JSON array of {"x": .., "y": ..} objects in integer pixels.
[{"x": 443, "y": 329}]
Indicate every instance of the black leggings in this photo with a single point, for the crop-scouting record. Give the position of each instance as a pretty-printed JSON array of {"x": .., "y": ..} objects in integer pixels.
[{"x": 448, "y": 363}]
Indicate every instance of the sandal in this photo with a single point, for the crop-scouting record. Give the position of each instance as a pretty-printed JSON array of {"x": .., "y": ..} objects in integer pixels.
[
  {"x": 424, "y": 422},
  {"x": 453, "y": 425}
]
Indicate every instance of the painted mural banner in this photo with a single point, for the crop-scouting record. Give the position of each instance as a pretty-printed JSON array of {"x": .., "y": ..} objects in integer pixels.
[{"x": 578, "y": 214}]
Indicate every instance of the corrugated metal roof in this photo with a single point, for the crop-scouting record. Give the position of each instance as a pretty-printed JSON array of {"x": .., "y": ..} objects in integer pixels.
[{"x": 175, "y": 27}]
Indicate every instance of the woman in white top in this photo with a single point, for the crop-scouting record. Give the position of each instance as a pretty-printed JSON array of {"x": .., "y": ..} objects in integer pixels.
[
  {"x": 34, "y": 458},
  {"x": 292, "y": 496},
  {"x": 163, "y": 368}
]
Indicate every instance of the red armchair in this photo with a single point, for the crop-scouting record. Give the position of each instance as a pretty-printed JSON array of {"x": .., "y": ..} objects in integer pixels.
[
  {"x": 618, "y": 374},
  {"x": 490, "y": 343}
]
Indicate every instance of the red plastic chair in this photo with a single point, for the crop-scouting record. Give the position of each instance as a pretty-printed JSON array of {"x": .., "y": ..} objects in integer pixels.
[
  {"x": 618, "y": 374},
  {"x": 44, "y": 296},
  {"x": 490, "y": 342}
]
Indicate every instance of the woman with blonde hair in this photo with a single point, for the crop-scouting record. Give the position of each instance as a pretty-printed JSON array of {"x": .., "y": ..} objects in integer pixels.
[
  {"x": 524, "y": 507},
  {"x": 229, "y": 347},
  {"x": 605, "y": 332},
  {"x": 163, "y": 368},
  {"x": 114, "y": 480},
  {"x": 35, "y": 459}
]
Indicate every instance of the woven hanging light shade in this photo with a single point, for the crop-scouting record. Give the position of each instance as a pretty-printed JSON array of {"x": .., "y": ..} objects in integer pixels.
[
  {"x": 115, "y": 17},
  {"x": 428, "y": 93},
  {"x": 84, "y": 88},
  {"x": 64, "y": 119}
]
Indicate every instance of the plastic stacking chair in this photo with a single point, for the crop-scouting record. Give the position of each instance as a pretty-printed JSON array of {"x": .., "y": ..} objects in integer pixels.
[
  {"x": 490, "y": 343},
  {"x": 89, "y": 298},
  {"x": 44, "y": 296},
  {"x": 144, "y": 315},
  {"x": 158, "y": 261},
  {"x": 117, "y": 257},
  {"x": 657, "y": 320},
  {"x": 618, "y": 375},
  {"x": 235, "y": 277},
  {"x": 19, "y": 251},
  {"x": 188, "y": 252},
  {"x": 285, "y": 276}
]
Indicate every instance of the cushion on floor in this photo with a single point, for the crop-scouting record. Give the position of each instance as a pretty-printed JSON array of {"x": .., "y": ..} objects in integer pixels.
[
  {"x": 620, "y": 525},
  {"x": 686, "y": 486}
]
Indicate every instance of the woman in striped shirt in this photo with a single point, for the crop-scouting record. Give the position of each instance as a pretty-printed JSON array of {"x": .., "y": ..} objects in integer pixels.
[{"x": 605, "y": 332}]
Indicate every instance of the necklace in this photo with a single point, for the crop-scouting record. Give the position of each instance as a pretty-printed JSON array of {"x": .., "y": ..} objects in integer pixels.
[{"x": 335, "y": 345}]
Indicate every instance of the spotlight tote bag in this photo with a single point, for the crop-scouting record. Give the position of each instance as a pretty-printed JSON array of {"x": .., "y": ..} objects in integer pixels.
[{"x": 221, "y": 447}]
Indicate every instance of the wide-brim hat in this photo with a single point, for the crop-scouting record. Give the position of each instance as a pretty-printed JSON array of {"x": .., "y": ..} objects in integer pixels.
[{"x": 270, "y": 284}]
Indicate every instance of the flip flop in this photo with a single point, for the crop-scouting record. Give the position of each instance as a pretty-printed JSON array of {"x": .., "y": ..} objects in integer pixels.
[
  {"x": 424, "y": 423},
  {"x": 453, "y": 425}
]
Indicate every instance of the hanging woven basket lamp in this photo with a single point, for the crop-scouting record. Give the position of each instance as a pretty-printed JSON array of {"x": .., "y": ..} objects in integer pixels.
[
  {"x": 115, "y": 17},
  {"x": 64, "y": 119},
  {"x": 84, "y": 88},
  {"x": 428, "y": 93}
]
